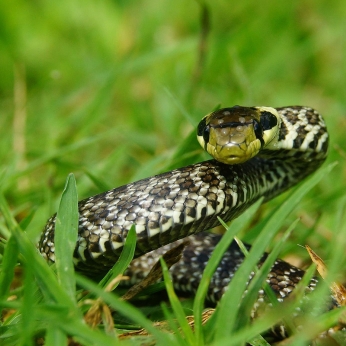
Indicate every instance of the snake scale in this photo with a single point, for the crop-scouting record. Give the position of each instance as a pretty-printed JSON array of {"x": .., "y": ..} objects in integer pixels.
[{"x": 258, "y": 151}]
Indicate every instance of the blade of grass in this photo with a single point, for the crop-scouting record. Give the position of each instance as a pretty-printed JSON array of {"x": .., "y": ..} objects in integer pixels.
[
  {"x": 124, "y": 260},
  {"x": 258, "y": 341},
  {"x": 122, "y": 307},
  {"x": 60, "y": 152},
  {"x": 100, "y": 184},
  {"x": 172, "y": 325},
  {"x": 65, "y": 236},
  {"x": 55, "y": 336},
  {"x": 258, "y": 280},
  {"x": 28, "y": 323},
  {"x": 9, "y": 262},
  {"x": 181, "y": 107},
  {"x": 26, "y": 221},
  {"x": 269, "y": 318},
  {"x": 337, "y": 255},
  {"x": 160, "y": 286},
  {"x": 176, "y": 305},
  {"x": 188, "y": 151},
  {"x": 44, "y": 275},
  {"x": 316, "y": 326},
  {"x": 68, "y": 325}
]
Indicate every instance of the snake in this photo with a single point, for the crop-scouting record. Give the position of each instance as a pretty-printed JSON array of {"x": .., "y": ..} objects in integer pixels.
[{"x": 258, "y": 152}]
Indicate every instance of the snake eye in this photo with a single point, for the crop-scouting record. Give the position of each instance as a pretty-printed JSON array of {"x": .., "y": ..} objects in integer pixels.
[
  {"x": 268, "y": 120},
  {"x": 200, "y": 128},
  {"x": 203, "y": 130},
  {"x": 206, "y": 134},
  {"x": 258, "y": 130}
]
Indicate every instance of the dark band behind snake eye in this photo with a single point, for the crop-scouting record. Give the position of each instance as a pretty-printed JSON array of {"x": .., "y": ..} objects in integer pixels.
[{"x": 268, "y": 120}]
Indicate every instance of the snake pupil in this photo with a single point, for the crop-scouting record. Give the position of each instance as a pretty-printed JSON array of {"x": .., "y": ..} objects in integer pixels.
[
  {"x": 206, "y": 134},
  {"x": 258, "y": 129},
  {"x": 203, "y": 130},
  {"x": 201, "y": 126},
  {"x": 268, "y": 120}
]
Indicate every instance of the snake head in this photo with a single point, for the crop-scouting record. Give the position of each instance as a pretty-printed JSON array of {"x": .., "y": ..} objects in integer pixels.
[{"x": 235, "y": 135}]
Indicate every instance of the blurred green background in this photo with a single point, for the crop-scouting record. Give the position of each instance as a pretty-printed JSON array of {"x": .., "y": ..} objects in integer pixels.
[{"x": 111, "y": 90}]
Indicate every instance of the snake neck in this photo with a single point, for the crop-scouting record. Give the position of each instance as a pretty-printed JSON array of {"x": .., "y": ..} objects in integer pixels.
[{"x": 302, "y": 137}]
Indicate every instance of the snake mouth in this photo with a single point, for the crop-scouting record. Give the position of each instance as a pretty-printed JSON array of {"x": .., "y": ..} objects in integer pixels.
[
  {"x": 231, "y": 158},
  {"x": 234, "y": 152}
]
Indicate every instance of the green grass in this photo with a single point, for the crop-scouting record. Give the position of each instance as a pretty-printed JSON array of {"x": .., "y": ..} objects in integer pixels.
[{"x": 111, "y": 91}]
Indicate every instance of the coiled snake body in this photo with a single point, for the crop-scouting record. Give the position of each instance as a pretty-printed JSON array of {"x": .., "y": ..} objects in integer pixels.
[{"x": 259, "y": 151}]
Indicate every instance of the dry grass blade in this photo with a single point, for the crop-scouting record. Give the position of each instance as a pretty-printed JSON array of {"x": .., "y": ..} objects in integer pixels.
[
  {"x": 163, "y": 325},
  {"x": 99, "y": 311},
  {"x": 338, "y": 290},
  {"x": 206, "y": 314}
]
